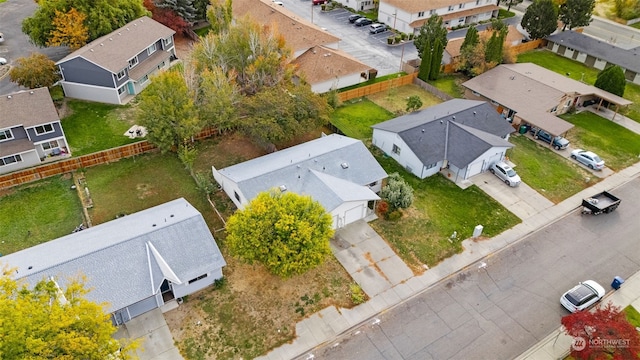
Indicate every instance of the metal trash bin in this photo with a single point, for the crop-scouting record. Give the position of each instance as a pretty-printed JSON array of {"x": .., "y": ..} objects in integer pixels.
[
  {"x": 617, "y": 281},
  {"x": 523, "y": 129}
]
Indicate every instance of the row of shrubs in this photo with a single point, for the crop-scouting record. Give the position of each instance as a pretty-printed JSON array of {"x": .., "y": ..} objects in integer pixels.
[{"x": 396, "y": 39}]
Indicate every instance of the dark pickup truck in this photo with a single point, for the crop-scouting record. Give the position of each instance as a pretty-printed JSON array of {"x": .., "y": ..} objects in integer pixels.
[{"x": 603, "y": 202}]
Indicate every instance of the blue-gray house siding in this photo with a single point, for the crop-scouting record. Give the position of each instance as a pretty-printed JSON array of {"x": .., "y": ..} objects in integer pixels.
[
  {"x": 56, "y": 133},
  {"x": 82, "y": 71}
]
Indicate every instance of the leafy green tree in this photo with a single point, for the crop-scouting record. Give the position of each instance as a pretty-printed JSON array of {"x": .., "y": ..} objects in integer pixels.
[
  {"x": 34, "y": 71},
  {"x": 431, "y": 30},
  {"x": 397, "y": 193},
  {"x": 70, "y": 30},
  {"x": 436, "y": 59},
  {"x": 280, "y": 113},
  {"x": 184, "y": 8},
  {"x": 103, "y": 17},
  {"x": 414, "y": 103},
  {"x": 219, "y": 15},
  {"x": 216, "y": 96},
  {"x": 612, "y": 79},
  {"x": 540, "y": 19},
  {"x": 47, "y": 322},
  {"x": 286, "y": 232},
  {"x": 425, "y": 62},
  {"x": 176, "y": 121},
  {"x": 576, "y": 13}
]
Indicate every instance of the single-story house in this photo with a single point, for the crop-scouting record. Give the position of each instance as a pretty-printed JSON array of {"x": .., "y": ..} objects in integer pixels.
[
  {"x": 409, "y": 16},
  {"x": 114, "y": 68},
  {"x": 327, "y": 69},
  {"x": 528, "y": 93},
  {"x": 135, "y": 263},
  {"x": 30, "y": 130},
  {"x": 299, "y": 34},
  {"x": 337, "y": 171},
  {"x": 596, "y": 53},
  {"x": 465, "y": 136}
]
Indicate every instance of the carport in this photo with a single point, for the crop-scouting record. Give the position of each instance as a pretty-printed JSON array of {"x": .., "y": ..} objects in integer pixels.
[
  {"x": 545, "y": 121},
  {"x": 612, "y": 99}
]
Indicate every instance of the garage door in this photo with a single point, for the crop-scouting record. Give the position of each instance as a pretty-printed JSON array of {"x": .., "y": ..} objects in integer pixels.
[
  {"x": 474, "y": 169},
  {"x": 353, "y": 214}
]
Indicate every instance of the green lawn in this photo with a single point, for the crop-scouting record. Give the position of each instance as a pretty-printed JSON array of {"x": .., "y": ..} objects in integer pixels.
[
  {"x": 94, "y": 126},
  {"x": 580, "y": 72},
  {"x": 374, "y": 81},
  {"x": 553, "y": 176},
  {"x": 636, "y": 25},
  {"x": 440, "y": 207},
  {"x": 632, "y": 315},
  {"x": 38, "y": 212},
  {"x": 619, "y": 147},
  {"x": 134, "y": 184},
  {"x": 355, "y": 118},
  {"x": 450, "y": 84}
]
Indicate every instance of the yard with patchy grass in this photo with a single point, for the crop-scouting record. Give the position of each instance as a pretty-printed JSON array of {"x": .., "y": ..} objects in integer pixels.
[
  {"x": 450, "y": 84},
  {"x": 616, "y": 145},
  {"x": 440, "y": 207},
  {"x": 91, "y": 126},
  {"x": 553, "y": 176},
  {"x": 581, "y": 72},
  {"x": 395, "y": 99},
  {"x": 355, "y": 118},
  {"x": 38, "y": 212}
]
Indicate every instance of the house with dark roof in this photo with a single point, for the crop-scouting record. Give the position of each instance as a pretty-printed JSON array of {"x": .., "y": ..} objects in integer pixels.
[
  {"x": 596, "y": 53},
  {"x": 116, "y": 67},
  {"x": 528, "y": 93},
  {"x": 408, "y": 16},
  {"x": 464, "y": 136},
  {"x": 337, "y": 171},
  {"x": 30, "y": 130},
  {"x": 326, "y": 69},
  {"x": 134, "y": 264}
]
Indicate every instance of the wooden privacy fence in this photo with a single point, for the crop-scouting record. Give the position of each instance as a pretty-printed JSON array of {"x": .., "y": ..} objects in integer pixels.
[
  {"x": 377, "y": 87},
  {"x": 75, "y": 163}
]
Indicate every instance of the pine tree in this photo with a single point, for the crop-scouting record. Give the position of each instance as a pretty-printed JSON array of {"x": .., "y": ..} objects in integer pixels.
[
  {"x": 436, "y": 59},
  {"x": 184, "y": 8},
  {"x": 612, "y": 80},
  {"x": 425, "y": 64}
]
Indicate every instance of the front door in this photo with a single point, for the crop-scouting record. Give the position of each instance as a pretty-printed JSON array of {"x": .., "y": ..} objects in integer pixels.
[
  {"x": 167, "y": 291},
  {"x": 130, "y": 88}
]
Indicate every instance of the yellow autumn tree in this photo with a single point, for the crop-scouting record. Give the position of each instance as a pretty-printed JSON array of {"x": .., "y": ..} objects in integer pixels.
[{"x": 69, "y": 29}]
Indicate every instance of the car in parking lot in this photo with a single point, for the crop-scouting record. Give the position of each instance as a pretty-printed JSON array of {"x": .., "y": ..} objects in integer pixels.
[
  {"x": 503, "y": 171},
  {"x": 319, "y": 2},
  {"x": 377, "y": 28},
  {"x": 558, "y": 142},
  {"x": 590, "y": 159},
  {"x": 582, "y": 296},
  {"x": 354, "y": 17},
  {"x": 363, "y": 22}
]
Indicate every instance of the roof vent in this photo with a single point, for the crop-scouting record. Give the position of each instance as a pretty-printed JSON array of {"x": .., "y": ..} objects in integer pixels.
[
  {"x": 30, "y": 267},
  {"x": 154, "y": 225},
  {"x": 91, "y": 50},
  {"x": 345, "y": 165},
  {"x": 454, "y": 117},
  {"x": 31, "y": 92},
  {"x": 101, "y": 44},
  {"x": 8, "y": 96},
  {"x": 474, "y": 113},
  {"x": 110, "y": 39},
  {"x": 282, "y": 188},
  {"x": 441, "y": 122}
]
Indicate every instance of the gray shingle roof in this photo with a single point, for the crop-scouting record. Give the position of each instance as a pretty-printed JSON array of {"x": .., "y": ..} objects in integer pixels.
[
  {"x": 116, "y": 257},
  {"x": 114, "y": 50},
  {"x": 313, "y": 168},
  {"x": 627, "y": 59},
  {"x": 27, "y": 108},
  {"x": 474, "y": 127}
]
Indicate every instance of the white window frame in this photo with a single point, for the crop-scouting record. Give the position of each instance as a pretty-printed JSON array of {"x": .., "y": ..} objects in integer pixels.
[
  {"x": 432, "y": 11},
  {"x": 8, "y": 134},
  {"x": 451, "y": 8},
  {"x": 145, "y": 79},
  {"x": 17, "y": 158},
  {"x": 122, "y": 73},
  {"x": 396, "y": 149},
  {"x": 53, "y": 144},
  {"x": 461, "y": 6},
  {"x": 44, "y": 131},
  {"x": 133, "y": 62},
  {"x": 122, "y": 89},
  {"x": 166, "y": 42},
  {"x": 151, "y": 49},
  {"x": 420, "y": 13}
]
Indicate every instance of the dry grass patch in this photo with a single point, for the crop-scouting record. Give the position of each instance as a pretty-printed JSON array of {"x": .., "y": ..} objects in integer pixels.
[{"x": 395, "y": 99}]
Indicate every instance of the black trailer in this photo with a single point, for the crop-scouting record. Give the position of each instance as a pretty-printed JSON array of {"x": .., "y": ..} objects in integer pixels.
[{"x": 603, "y": 202}]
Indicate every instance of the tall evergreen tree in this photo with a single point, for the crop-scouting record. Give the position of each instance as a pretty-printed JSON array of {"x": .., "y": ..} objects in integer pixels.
[
  {"x": 612, "y": 79},
  {"x": 431, "y": 30},
  {"x": 471, "y": 39},
  {"x": 436, "y": 59},
  {"x": 184, "y": 8},
  {"x": 541, "y": 19},
  {"x": 576, "y": 13},
  {"x": 425, "y": 63}
]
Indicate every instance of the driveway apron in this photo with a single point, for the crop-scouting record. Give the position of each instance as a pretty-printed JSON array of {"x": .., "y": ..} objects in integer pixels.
[{"x": 152, "y": 331}]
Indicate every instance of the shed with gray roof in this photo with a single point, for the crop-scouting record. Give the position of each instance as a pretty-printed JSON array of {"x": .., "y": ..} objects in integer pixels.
[
  {"x": 464, "y": 135},
  {"x": 337, "y": 171},
  {"x": 135, "y": 263}
]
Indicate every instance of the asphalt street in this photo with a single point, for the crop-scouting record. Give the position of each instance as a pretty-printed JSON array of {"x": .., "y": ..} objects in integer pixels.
[
  {"x": 499, "y": 310},
  {"x": 17, "y": 44}
]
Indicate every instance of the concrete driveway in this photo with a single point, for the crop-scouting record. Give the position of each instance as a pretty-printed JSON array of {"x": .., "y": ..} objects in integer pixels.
[
  {"x": 154, "y": 335},
  {"x": 523, "y": 201}
]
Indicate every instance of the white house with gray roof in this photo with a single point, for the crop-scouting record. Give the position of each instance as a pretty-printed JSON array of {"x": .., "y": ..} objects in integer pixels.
[
  {"x": 337, "y": 171},
  {"x": 464, "y": 135},
  {"x": 114, "y": 68},
  {"x": 135, "y": 263}
]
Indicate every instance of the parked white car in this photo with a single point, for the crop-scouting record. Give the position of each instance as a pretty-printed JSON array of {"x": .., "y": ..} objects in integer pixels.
[
  {"x": 588, "y": 158},
  {"x": 505, "y": 173},
  {"x": 582, "y": 296}
]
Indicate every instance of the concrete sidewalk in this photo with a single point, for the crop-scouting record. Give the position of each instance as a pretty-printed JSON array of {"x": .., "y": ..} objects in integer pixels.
[
  {"x": 558, "y": 344},
  {"x": 329, "y": 323}
]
